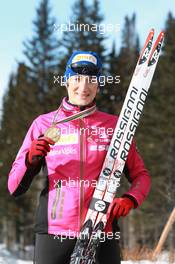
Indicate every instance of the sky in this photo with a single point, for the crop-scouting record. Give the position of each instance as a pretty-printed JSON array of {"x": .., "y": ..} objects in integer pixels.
[{"x": 16, "y": 24}]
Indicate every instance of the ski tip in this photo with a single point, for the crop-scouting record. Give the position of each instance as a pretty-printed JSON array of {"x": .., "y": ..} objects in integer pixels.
[
  {"x": 146, "y": 49},
  {"x": 162, "y": 33},
  {"x": 151, "y": 33},
  {"x": 161, "y": 36},
  {"x": 153, "y": 58}
]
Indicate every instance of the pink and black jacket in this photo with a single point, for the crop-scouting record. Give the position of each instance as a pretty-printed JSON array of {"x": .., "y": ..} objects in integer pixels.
[{"x": 72, "y": 167}]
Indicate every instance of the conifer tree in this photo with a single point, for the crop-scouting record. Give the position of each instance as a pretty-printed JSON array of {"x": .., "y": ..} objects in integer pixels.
[
  {"x": 19, "y": 109},
  {"x": 85, "y": 33},
  {"x": 129, "y": 52},
  {"x": 42, "y": 49}
]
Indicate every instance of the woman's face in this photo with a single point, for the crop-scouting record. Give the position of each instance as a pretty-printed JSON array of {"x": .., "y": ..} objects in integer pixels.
[{"x": 82, "y": 89}]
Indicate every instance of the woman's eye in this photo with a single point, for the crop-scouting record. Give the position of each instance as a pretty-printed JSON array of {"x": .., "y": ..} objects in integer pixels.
[
  {"x": 92, "y": 80},
  {"x": 78, "y": 78}
]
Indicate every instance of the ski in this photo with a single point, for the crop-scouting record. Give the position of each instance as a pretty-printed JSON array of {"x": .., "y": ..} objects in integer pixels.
[
  {"x": 120, "y": 154},
  {"x": 122, "y": 121},
  {"x": 109, "y": 179}
]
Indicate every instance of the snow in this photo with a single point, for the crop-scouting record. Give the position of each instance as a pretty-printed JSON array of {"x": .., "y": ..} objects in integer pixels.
[
  {"x": 163, "y": 259},
  {"x": 8, "y": 258}
]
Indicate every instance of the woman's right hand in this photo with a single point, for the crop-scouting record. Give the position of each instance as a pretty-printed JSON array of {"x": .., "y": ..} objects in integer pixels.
[{"x": 39, "y": 149}]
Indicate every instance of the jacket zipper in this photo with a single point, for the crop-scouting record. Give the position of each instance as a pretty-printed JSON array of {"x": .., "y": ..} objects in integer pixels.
[
  {"x": 56, "y": 200},
  {"x": 81, "y": 198}
]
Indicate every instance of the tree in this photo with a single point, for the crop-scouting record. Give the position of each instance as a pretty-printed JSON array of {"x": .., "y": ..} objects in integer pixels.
[
  {"x": 96, "y": 36},
  {"x": 42, "y": 50},
  {"x": 85, "y": 33},
  {"x": 20, "y": 107},
  {"x": 121, "y": 66},
  {"x": 109, "y": 98},
  {"x": 129, "y": 52}
]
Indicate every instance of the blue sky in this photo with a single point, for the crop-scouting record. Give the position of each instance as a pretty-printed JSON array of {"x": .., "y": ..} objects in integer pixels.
[{"x": 16, "y": 24}]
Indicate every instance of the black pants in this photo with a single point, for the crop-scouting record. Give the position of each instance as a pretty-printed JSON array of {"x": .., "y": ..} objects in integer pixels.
[{"x": 49, "y": 249}]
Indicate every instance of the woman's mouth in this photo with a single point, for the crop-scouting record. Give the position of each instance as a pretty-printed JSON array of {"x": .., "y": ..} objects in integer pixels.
[{"x": 83, "y": 96}]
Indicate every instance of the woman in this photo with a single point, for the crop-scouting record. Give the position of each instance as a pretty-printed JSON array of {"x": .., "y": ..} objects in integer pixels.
[{"x": 70, "y": 144}]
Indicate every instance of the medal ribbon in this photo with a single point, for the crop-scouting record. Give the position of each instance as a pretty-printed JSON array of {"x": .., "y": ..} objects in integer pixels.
[{"x": 76, "y": 116}]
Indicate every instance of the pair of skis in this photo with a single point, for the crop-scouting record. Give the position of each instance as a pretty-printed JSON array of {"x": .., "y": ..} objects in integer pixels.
[{"x": 109, "y": 178}]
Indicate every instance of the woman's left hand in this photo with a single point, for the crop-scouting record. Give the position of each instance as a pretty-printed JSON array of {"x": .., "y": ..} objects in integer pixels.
[{"x": 119, "y": 207}]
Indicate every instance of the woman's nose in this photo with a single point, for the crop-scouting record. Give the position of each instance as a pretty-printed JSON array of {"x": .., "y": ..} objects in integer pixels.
[{"x": 83, "y": 84}]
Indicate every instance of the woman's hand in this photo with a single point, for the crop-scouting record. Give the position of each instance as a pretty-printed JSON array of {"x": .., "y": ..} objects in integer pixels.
[
  {"x": 39, "y": 149},
  {"x": 119, "y": 207}
]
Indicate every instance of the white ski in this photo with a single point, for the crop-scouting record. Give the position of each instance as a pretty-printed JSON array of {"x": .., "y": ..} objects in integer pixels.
[{"x": 109, "y": 179}]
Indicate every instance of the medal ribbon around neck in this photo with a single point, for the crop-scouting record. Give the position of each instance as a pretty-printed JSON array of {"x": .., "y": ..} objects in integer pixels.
[{"x": 54, "y": 133}]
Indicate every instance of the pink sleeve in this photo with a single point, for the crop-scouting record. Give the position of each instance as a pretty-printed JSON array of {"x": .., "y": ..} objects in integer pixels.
[
  {"x": 19, "y": 168},
  {"x": 137, "y": 175}
]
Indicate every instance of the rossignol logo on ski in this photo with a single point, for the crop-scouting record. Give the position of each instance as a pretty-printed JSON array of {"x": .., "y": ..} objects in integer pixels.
[
  {"x": 117, "y": 174},
  {"x": 133, "y": 124},
  {"x": 123, "y": 123},
  {"x": 100, "y": 206},
  {"x": 106, "y": 172}
]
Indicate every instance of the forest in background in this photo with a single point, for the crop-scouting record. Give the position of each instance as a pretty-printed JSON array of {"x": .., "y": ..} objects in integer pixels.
[{"x": 32, "y": 90}]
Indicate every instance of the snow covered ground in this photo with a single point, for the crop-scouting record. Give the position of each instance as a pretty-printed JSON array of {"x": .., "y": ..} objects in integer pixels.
[{"x": 7, "y": 258}]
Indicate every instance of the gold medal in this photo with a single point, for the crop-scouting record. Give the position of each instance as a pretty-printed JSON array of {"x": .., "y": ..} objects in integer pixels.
[{"x": 53, "y": 133}]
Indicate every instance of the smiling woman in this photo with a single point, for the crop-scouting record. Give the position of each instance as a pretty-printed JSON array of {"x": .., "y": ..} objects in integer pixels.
[
  {"x": 74, "y": 155},
  {"x": 81, "y": 90}
]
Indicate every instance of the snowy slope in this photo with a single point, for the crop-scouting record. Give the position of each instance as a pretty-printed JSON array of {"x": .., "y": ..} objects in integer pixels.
[{"x": 7, "y": 258}]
